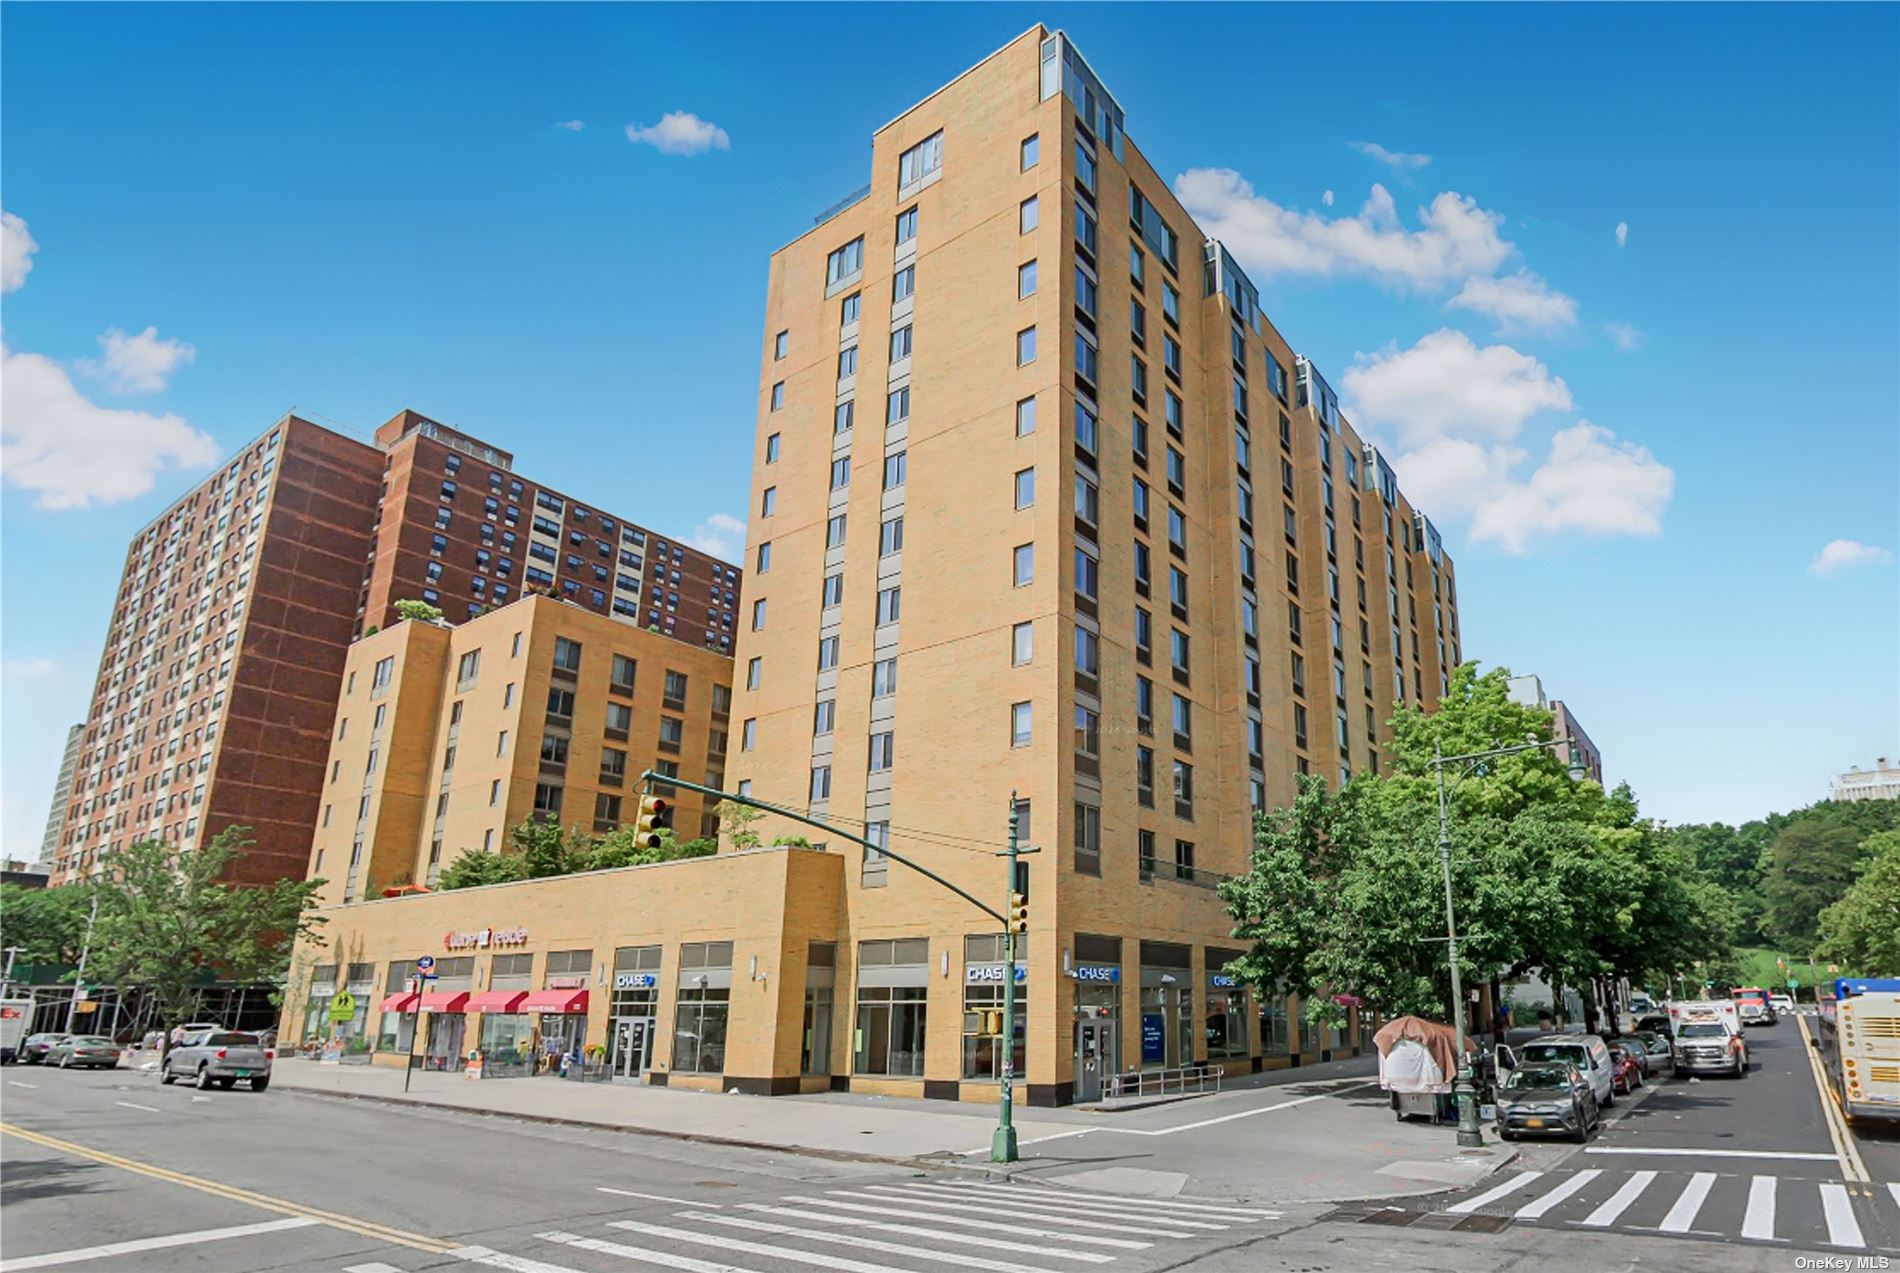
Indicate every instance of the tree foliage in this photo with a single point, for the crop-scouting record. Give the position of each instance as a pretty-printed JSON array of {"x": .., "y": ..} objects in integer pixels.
[
  {"x": 542, "y": 850},
  {"x": 47, "y": 925},
  {"x": 421, "y": 611},
  {"x": 1862, "y": 929},
  {"x": 476, "y": 867},
  {"x": 736, "y": 821},
  {"x": 167, "y": 922},
  {"x": 1810, "y": 865}
]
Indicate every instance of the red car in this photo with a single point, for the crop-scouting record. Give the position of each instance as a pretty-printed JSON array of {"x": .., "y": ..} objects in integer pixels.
[{"x": 1626, "y": 1072}]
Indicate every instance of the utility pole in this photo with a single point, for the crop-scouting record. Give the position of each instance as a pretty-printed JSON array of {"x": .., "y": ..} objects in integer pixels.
[
  {"x": 79, "y": 975},
  {"x": 1003, "y": 1144},
  {"x": 6, "y": 980},
  {"x": 1468, "y": 1134}
]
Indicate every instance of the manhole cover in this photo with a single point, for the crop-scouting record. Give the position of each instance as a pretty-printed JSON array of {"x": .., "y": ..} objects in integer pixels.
[
  {"x": 1397, "y": 1219},
  {"x": 1482, "y": 1224}
]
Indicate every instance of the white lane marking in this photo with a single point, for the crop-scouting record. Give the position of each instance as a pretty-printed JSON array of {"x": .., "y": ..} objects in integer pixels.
[
  {"x": 1082, "y": 1199},
  {"x": 978, "y": 1206},
  {"x": 17, "y": 1083},
  {"x": 1711, "y": 1153},
  {"x": 1759, "y": 1220},
  {"x": 945, "y": 1235},
  {"x": 645, "y": 1256},
  {"x": 1632, "y": 1189},
  {"x": 658, "y": 1197},
  {"x": 514, "y": 1263},
  {"x": 1228, "y": 1118},
  {"x": 79, "y": 1254},
  {"x": 1531, "y": 1210},
  {"x": 986, "y": 1221},
  {"x": 1842, "y": 1228},
  {"x": 853, "y": 1240},
  {"x": 374, "y": 1266},
  {"x": 1023, "y": 1200},
  {"x": 1894, "y": 1189},
  {"x": 201, "y": 1098},
  {"x": 1492, "y": 1195},
  {"x": 147, "y": 1108},
  {"x": 766, "y": 1249},
  {"x": 1694, "y": 1194}
]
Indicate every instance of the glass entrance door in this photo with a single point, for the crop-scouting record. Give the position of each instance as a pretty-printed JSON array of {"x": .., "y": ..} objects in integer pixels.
[{"x": 633, "y": 1046}]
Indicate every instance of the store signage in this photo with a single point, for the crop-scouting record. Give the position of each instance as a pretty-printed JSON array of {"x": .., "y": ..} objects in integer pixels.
[
  {"x": 569, "y": 981},
  {"x": 984, "y": 974},
  {"x": 1097, "y": 972},
  {"x": 634, "y": 980},
  {"x": 483, "y": 938},
  {"x": 1221, "y": 980},
  {"x": 1153, "y": 1044}
]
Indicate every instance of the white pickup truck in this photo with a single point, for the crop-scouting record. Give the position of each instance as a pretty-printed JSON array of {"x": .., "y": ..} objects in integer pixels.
[
  {"x": 219, "y": 1057},
  {"x": 1708, "y": 1037}
]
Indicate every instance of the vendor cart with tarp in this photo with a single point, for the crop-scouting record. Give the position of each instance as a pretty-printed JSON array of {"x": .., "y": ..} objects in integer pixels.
[{"x": 1417, "y": 1064}]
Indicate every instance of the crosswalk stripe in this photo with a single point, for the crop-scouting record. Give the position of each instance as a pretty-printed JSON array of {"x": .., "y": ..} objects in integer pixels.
[
  {"x": 1632, "y": 1189},
  {"x": 979, "y": 1207},
  {"x": 1759, "y": 1220},
  {"x": 664, "y": 1258},
  {"x": 514, "y": 1263},
  {"x": 1894, "y": 1189},
  {"x": 1094, "y": 1199},
  {"x": 961, "y": 1258},
  {"x": 374, "y": 1266},
  {"x": 793, "y": 1254},
  {"x": 945, "y": 1235},
  {"x": 1842, "y": 1228},
  {"x": 1683, "y": 1214},
  {"x": 1556, "y": 1197},
  {"x": 1021, "y": 1198},
  {"x": 1492, "y": 1195},
  {"x": 986, "y": 1222}
]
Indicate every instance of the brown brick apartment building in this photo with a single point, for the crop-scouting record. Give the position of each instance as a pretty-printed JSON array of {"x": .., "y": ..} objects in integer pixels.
[
  {"x": 224, "y": 658},
  {"x": 1042, "y": 505}
]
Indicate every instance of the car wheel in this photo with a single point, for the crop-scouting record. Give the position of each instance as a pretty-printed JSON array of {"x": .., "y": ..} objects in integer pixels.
[
  {"x": 258, "y": 1085},
  {"x": 167, "y": 1077},
  {"x": 1583, "y": 1129},
  {"x": 1609, "y": 1102},
  {"x": 1504, "y": 1135},
  {"x": 203, "y": 1082}
]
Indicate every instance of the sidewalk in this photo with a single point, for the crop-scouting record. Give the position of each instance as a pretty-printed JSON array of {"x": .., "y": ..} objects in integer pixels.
[{"x": 1319, "y": 1133}]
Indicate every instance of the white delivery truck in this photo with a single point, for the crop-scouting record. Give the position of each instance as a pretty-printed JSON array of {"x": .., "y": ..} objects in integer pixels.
[
  {"x": 1708, "y": 1037},
  {"x": 15, "y": 1016}
]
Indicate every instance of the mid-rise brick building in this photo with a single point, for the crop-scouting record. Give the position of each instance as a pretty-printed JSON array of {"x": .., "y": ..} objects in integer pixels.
[{"x": 224, "y": 656}]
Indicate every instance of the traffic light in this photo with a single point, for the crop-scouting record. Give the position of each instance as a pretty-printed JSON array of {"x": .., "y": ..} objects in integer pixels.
[
  {"x": 992, "y": 1021},
  {"x": 656, "y": 817},
  {"x": 1018, "y": 912}
]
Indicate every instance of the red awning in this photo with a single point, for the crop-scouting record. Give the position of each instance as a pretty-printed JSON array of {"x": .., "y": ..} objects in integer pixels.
[
  {"x": 495, "y": 1001},
  {"x": 404, "y": 1001},
  {"x": 444, "y": 1000},
  {"x": 555, "y": 1001}
]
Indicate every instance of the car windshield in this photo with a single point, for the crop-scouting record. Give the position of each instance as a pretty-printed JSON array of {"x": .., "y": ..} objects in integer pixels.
[
  {"x": 1703, "y": 1030},
  {"x": 232, "y": 1040},
  {"x": 1535, "y": 1076},
  {"x": 1551, "y": 1052}
]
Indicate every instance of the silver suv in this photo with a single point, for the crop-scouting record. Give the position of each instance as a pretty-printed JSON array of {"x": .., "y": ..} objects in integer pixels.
[{"x": 219, "y": 1057}]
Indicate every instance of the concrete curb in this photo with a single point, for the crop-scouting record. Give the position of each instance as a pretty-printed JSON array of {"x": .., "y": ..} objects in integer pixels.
[{"x": 697, "y": 1138}]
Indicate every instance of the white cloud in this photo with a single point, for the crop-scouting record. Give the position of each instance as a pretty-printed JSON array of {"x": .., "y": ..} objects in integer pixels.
[
  {"x": 75, "y": 453},
  {"x": 1590, "y": 482},
  {"x": 722, "y": 535},
  {"x": 1517, "y": 300},
  {"x": 1447, "y": 386},
  {"x": 680, "y": 133},
  {"x": 1397, "y": 161},
  {"x": 1622, "y": 233},
  {"x": 1454, "y": 477},
  {"x": 1625, "y": 337},
  {"x": 16, "y": 252},
  {"x": 1457, "y": 239},
  {"x": 1327, "y": 198},
  {"x": 29, "y": 669},
  {"x": 137, "y": 364},
  {"x": 572, "y": 125},
  {"x": 1845, "y": 554}
]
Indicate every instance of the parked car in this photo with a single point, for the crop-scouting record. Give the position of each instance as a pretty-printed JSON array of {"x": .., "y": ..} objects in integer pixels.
[
  {"x": 220, "y": 1057},
  {"x": 1656, "y": 1046},
  {"x": 1547, "y": 1098},
  {"x": 1626, "y": 1066},
  {"x": 1656, "y": 1022},
  {"x": 1783, "y": 1003},
  {"x": 34, "y": 1049},
  {"x": 1587, "y": 1052},
  {"x": 84, "y": 1051}
]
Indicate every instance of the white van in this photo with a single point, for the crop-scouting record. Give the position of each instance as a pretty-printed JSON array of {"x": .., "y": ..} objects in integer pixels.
[{"x": 1590, "y": 1054}]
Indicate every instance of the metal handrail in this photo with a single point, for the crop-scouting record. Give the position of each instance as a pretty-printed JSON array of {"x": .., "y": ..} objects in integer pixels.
[{"x": 1186, "y": 1080}]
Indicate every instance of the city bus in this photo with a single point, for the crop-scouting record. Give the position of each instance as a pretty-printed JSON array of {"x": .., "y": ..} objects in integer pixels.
[{"x": 1860, "y": 1046}]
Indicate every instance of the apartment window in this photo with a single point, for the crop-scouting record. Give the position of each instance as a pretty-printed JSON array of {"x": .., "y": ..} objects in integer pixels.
[
  {"x": 1171, "y": 355},
  {"x": 1299, "y": 673},
  {"x": 824, "y": 716},
  {"x": 897, "y": 406},
  {"x": 764, "y": 559},
  {"x": 827, "y": 654},
  {"x": 1031, "y": 151},
  {"x": 1177, "y": 529},
  {"x": 748, "y": 733},
  {"x": 1022, "y": 644},
  {"x": 1023, "y": 564},
  {"x": 1087, "y": 500},
  {"x": 1025, "y": 346},
  {"x": 883, "y": 678},
  {"x": 1026, "y": 488},
  {"x": 1025, "y": 417},
  {"x": 1088, "y": 652},
  {"x": 1183, "y": 789},
  {"x": 889, "y": 605},
  {"x": 385, "y": 668},
  {"x": 1084, "y": 165},
  {"x": 833, "y": 593},
  {"x": 753, "y": 668},
  {"x": 840, "y": 474},
  {"x": 1293, "y": 621},
  {"x": 467, "y": 669},
  {"x": 621, "y": 677},
  {"x": 841, "y": 415},
  {"x": 1183, "y": 860},
  {"x": 1085, "y": 429},
  {"x": 900, "y": 343},
  {"x": 779, "y": 345},
  {"x": 883, "y": 752},
  {"x": 778, "y": 395},
  {"x": 619, "y": 721},
  {"x": 1170, "y": 301},
  {"x": 768, "y": 501},
  {"x": 904, "y": 284},
  {"x": 847, "y": 362},
  {"x": 758, "y": 615},
  {"x": 1178, "y": 650},
  {"x": 1145, "y": 776},
  {"x": 1086, "y": 367},
  {"x": 771, "y": 449},
  {"x": 906, "y": 226},
  {"x": 1138, "y": 378},
  {"x": 1178, "y": 589},
  {"x": 501, "y": 743},
  {"x": 1088, "y": 839},
  {"x": 1183, "y": 721},
  {"x": 1144, "y": 633},
  {"x": 850, "y": 308},
  {"x": 1137, "y": 322},
  {"x": 890, "y": 537},
  {"x": 1141, "y": 503},
  {"x": 834, "y": 531},
  {"x": 845, "y": 262},
  {"x": 920, "y": 160},
  {"x": 1299, "y": 725},
  {"x": 1088, "y": 572},
  {"x": 821, "y": 782}
]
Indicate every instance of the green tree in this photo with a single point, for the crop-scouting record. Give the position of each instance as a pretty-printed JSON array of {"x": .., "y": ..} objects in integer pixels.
[
  {"x": 1810, "y": 865},
  {"x": 476, "y": 867},
  {"x": 548, "y": 848},
  {"x": 619, "y": 848},
  {"x": 1862, "y": 929},
  {"x": 48, "y": 925},
  {"x": 737, "y": 820},
  {"x": 421, "y": 611},
  {"x": 168, "y": 923}
]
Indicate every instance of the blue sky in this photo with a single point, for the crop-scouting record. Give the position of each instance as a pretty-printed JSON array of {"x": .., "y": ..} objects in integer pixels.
[{"x": 352, "y": 209}]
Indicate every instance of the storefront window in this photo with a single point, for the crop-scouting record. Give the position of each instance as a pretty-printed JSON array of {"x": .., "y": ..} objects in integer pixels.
[
  {"x": 820, "y": 980},
  {"x": 892, "y": 981},
  {"x": 1273, "y": 1031},
  {"x": 636, "y": 1005},
  {"x": 1226, "y": 1006},
  {"x": 983, "y": 962},
  {"x": 700, "y": 1011},
  {"x": 1167, "y": 1006},
  {"x": 396, "y": 1031}
]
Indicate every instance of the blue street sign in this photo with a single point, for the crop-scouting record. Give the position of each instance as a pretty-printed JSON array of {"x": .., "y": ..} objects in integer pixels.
[{"x": 425, "y": 965}]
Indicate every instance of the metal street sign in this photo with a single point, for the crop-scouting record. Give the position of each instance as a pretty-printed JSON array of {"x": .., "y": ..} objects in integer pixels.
[
  {"x": 342, "y": 1006},
  {"x": 425, "y": 966}
]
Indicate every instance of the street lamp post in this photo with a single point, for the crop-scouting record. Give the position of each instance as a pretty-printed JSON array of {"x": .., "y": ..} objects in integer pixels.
[{"x": 1469, "y": 1136}]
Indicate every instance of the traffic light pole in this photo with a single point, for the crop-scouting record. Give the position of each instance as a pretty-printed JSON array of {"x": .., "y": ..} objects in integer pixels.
[{"x": 1003, "y": 1144}]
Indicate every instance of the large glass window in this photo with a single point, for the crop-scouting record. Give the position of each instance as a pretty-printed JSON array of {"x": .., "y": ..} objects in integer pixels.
[
  {"x": 984, "y": 970},
  {"x": 700, "y": 1014},
  {"x": 892, "y": 980}
]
